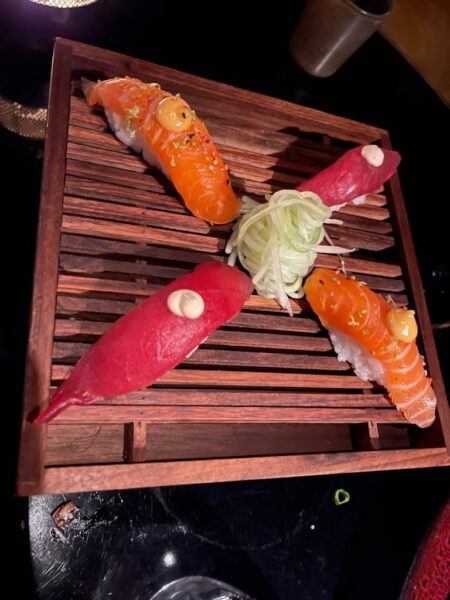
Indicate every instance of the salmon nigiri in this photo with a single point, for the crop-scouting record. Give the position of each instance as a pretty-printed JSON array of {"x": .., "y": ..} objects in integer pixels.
[
  {"x": 377, "y": 338},
  {"x": 170, "y": 136}
]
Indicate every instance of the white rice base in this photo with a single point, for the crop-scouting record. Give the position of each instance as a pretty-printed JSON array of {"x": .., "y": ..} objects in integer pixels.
[
  {"x": 358, "y": 200},
  {"x": 364, "y": 364},
  {"x": 134, "y": 140}
]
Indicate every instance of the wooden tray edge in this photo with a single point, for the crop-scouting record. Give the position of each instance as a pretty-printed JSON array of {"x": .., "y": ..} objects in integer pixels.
[
  {"x": 30, "y": 468},
  {"x": 366, "y": 132},
  {"x": 183, "y": 472},
  {"x": 406, "y": 245}
]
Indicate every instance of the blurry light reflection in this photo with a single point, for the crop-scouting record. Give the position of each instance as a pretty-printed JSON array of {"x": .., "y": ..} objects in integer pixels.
[{"x": 65, "y": 3}]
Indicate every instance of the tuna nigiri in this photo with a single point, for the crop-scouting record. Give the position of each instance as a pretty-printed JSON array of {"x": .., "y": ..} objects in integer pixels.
[
  {"x": 154, "y": 337},
  {"x": 358, "y": 172},
  {"x": 377, "y": 338},
  {"x": 170, "y": 136}
]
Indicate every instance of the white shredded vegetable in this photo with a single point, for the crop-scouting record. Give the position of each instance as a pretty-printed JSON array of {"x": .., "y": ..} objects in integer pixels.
[{"x": 277, "y": 242}]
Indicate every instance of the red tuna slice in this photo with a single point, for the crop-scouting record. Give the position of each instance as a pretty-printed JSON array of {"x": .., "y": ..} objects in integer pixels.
[
  {"x": 148, "y": 341},
  {"x": 429, "y": 576},
  {"x": 358, "y": 172}
]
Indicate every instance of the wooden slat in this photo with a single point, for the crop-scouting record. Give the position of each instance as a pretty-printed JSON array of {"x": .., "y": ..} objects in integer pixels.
[
  {"x": 80, "y": 244},
  {"x": 277, "y": 323},
  {"x": 89, "y": 188},
  {"x": 69, "y": 263},
  {"x": 249, "y": 379},
  {"x": 91, "y": 478},
  {"x": 152, "y": 181},
  {"x": 354, "y": 238},
  {"x": 69, "y": 352},
  {"x": 365, "y": 210},
  {"x": 358, "y": 265},
  {"x": 363, "y": 223},
  {"x": 37, "y": 376},
  {"x": 135, "y": 214},
  {"x": 220, "y": 414},
  {"x": 242, "y": 398},
  {"x": 138, "y": 233}
]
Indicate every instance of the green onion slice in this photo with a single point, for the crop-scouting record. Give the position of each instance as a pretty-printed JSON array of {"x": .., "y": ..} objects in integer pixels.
[{"x": 341, "y": 496}]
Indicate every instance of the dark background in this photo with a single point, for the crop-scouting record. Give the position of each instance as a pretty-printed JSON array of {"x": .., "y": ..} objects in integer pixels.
[{"x": 362, "y": 549}]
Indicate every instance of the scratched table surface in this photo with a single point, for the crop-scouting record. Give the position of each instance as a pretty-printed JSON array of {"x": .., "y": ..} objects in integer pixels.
[{"x": 275, "y": 539}]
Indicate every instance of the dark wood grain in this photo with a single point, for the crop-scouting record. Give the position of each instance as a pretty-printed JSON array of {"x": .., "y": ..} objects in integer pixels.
[
  {"x": 139, "y": 233},
  {"x": 163, "y": 396},
  {"x": 38, "y": 362},
  {"x": 220, "y": 414}
]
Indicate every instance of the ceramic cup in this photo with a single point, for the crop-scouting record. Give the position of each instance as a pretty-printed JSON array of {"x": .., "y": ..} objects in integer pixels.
[{"x": 330, "y": 31}]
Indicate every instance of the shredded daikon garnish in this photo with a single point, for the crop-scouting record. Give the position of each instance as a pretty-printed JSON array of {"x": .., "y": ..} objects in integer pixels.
[{"x": 277, "y": 242}]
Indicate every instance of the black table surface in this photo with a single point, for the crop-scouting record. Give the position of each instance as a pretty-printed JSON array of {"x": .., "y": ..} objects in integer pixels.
[{"x": 280, "y": 539}]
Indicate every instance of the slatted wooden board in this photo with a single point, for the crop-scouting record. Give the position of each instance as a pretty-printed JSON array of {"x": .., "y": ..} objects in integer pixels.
[{"x": 264, "y": 396}]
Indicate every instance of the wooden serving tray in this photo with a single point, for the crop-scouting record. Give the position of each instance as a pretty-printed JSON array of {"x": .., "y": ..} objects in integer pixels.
[{"x": 264, "y": 396}]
